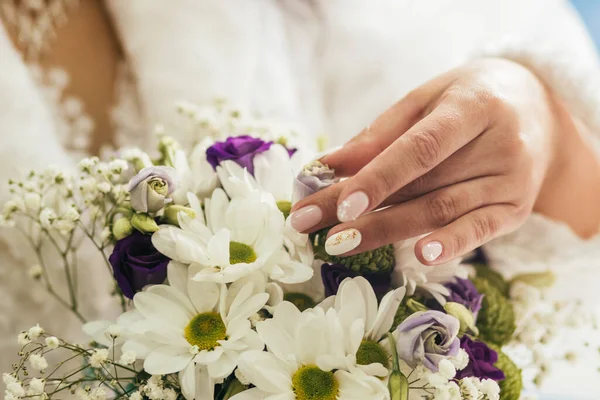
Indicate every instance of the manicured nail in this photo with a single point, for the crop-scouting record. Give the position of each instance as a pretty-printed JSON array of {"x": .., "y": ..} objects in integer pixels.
[
  {"x": 432, "y": 250},
  {"x": 353, "y": 206},
  {"x": 343, "y": 242},
  {"x": 306, "y": 217}
]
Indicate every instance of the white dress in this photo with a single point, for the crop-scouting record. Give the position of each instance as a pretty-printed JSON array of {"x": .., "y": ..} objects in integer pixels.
[{"x": 328, "y": 66}]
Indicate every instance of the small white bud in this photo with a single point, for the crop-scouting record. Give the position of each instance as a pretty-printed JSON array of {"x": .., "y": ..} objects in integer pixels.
[
  {"x": 104, "y": 187},
  {"x": 52, "y": 342},
  {"x": 114, "y": 331},
  {"x": 32, "y": 201},
  {"x": 127, "y": 358},
  {"x": 36, "y": 271},
  {"x": 47, "y": 217},
  {"x": 38, "y": 362},
  {"x": 98, "y": 357},
  {"x": 23, "y": 339},
  {"x": 35, "y": 331},
  {"x": 71, "y": 215}
]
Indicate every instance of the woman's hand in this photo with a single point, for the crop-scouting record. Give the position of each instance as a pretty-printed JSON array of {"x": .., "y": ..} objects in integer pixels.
[{"x": 466, "y": 156}]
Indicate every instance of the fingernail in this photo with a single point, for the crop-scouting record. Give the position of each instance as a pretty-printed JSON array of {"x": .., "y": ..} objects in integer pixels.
[
  {"x": 432, "y": 250},
  {"x": 306, "y": 217},
  {"x": 353, "y": 206},
  {"x": 343, "y": 242}
]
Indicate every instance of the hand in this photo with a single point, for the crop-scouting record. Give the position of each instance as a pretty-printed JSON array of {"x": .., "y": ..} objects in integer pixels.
[{"x": 464, "y": 156}]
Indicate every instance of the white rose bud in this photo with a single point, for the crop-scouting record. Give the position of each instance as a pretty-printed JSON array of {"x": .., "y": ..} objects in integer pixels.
[{"x": 151, "y": 188}]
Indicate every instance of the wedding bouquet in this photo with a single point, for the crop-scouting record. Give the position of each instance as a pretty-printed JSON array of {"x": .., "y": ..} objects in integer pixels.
[{"x": 222, "y": 299}]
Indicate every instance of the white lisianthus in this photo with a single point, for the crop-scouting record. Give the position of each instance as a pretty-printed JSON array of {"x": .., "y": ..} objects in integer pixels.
[
  {"x": 241, "y": 236},
  {"x": 410, "y": 273},
  {"x": 192, "y": 326},
  {"x": 304, "y": 348},
  {"x": 196, "y": 175},
  {"x": 356, "y": 302}
]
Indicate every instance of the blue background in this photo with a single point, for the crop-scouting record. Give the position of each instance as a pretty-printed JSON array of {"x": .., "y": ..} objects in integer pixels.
[{"x": 590, "y": 11}]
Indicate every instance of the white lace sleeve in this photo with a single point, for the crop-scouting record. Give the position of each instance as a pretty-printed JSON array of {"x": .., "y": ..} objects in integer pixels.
[{"x": 27, "y": 142}]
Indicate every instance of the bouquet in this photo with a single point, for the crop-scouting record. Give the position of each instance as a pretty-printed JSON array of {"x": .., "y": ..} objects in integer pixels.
[{"x": 222, "y": 299}]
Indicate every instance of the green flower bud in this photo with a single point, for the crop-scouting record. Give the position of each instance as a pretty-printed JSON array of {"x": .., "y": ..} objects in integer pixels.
[
  {"x": 496, "y": 319},
  {"x": 167, "y": 148},
  {"x": 494, "y": 278},
  {"x": 407, "y": 308},
  {"x": 397, "y": 383},
  {"x": 540, "y": 280},
  {"x": 285, "y": 207},
  {"x": 511, "y": 387},
  {"x": 171, "y": 213},
  {"x": 380, "y": 260},
  {"x": 122, "y": 228},
  {"x": 144, "y": 223},
  {"x": 464, "y": 316}
]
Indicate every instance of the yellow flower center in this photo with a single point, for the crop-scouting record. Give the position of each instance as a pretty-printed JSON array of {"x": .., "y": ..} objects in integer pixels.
[
  {"x": 371, "y": 352},
  {"x": 241, "y": 253},
  {"x": 285, "y": 207},
  {"x": 312, "y": 383},
  {"x": 205, "y": 330}
]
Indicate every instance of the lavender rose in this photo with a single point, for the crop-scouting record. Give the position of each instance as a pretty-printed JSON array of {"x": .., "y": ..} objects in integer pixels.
[
  {"x": 151, "y": 187},
  {"x": 464, "y": 292},
  {"x": 241, "y": 149},
  {"x": 313, "y": 177},
  {"x": 334, "y": 274},
  {"x": 427, "y": 337},
  {"x": 136, "y": 263},
  {"x": 481, "y": 361}
]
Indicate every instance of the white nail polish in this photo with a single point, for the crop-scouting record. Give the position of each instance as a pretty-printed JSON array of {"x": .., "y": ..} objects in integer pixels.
[
  {"x": 432, "y": 250},
  {"x": 343, "y": 242}
]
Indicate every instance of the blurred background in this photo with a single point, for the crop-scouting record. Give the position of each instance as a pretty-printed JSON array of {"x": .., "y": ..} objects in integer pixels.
[{"x": 590, "y": 11}]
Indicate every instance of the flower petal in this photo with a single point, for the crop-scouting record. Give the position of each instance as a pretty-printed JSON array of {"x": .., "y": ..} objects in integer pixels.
[
  {"x": 167, "y": 360},
  {"x": 264, "y": 371}
]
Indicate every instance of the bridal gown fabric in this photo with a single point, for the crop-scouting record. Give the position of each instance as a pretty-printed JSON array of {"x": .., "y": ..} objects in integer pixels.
[{"x": 325, "y": 65}]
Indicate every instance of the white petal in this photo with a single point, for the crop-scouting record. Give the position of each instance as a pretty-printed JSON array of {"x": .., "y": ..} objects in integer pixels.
[
  {"x": 159, "y": 308},
  {"x": 167, "y": 360},
  {"x": 264, "y": 371},
  {"x": 176, "y": 297},
  {"x": 385, "y": 315},
  {"x": 206, "y": 357},
  {"x": 249, "y": 307},
  {"x": 216, "y": 207},
  {"x": 370, "y": 299},
  {"x": 204, "y": 295},
  {"x": 253, "y": 394},
  {"x": 224, "y": 366},
  {"x": 177, "y": 274},
  {"x": 218, "y": 248},
  {"x": 277, "y": 340}
]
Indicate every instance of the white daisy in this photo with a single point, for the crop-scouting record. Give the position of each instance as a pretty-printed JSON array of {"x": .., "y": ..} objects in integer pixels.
[
  {"x": 194, "y": 325},
  {"x": 410, "y": 273},
  {"x": 356, "y": 301},
  {"x": 241, "y": 236},
  {"x": 304, "y": 348}
]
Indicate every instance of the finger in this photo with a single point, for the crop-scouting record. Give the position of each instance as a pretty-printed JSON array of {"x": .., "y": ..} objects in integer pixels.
[
  {"x": 317, "y": 211},
  {"x": 432, "y": 140},
  {"x": 467, "y": 233},
  {"x": 395, "y": 121},
  {"x": 422, "y": 215}
]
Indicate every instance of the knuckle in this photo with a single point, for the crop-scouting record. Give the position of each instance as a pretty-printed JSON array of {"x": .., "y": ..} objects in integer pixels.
[
  {"x": 485, "y": 227},
  {"x": 459, "y": 243},
  {"x": 427, "y": 149},
  {"x": 385, "y": 182},
  {"x": 443, "y": 209}
]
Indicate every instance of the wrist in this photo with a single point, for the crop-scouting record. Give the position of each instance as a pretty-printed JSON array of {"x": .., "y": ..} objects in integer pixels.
[{"x": 570, "y": 191}]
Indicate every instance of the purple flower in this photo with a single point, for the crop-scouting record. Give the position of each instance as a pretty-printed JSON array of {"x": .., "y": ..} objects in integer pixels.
[
  {"x": 427, "y": 337},
  {"x": 240, "y": 149},
  {"x": 313, "y": 177},
  {"x": 334, "y": 274},
  {"x": 150, "y": 188},
  {"x": 136, "y": 263},
  {"x": 481, "y": 361},
  {"x": 464, "y": 292}
]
